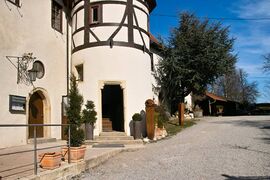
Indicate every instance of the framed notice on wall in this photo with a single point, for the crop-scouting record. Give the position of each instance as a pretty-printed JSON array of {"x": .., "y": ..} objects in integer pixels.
[{"x": 17, "y": 104}]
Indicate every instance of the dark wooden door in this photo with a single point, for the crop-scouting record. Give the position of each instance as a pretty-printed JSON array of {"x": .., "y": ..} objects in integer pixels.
[
  {"x": 36, "y": 115},
  {"x": 64, "y": 129}
]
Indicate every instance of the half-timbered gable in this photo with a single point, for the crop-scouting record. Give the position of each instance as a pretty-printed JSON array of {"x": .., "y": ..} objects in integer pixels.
[{"x": 110, "y": 23}]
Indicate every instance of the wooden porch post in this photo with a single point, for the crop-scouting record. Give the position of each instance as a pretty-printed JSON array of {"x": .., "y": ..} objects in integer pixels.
[{"x": 181, "y": 111}]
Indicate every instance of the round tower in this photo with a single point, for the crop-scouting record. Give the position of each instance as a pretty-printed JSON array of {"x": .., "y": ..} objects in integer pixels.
[{"x": 111, "y": 58}]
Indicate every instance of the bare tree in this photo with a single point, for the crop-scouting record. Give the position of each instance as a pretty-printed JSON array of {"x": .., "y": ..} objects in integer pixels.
[
  {"x": 266, "y": 69},
  {"x": 266, "y": 65},
  {"x": 235, "y": 86}
]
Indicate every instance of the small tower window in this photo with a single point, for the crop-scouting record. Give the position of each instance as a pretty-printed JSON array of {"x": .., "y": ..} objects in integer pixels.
[
  {"x": 79, "y": 69},
  {"x": 152, "y": 62},
  {"x": 56, "y": 16},
  {"x": 95, "y": 14}
]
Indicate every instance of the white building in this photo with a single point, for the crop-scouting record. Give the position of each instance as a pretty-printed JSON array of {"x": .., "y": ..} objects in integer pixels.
[{"x": 106, "y": 43}]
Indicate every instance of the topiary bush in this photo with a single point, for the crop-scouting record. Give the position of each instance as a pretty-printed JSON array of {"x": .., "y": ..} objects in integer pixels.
[
  {"x": 89, "y": 114},
  {"x": 136, "y": 117}
]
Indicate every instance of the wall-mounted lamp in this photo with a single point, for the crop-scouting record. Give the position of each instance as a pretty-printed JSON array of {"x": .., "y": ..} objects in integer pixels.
[
  {"x": 23, "y": 74},
  {"x": 32, "y": 73}
]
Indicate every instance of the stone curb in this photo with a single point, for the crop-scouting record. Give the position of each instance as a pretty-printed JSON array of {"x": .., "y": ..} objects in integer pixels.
[{"x": 67, "y": 171}]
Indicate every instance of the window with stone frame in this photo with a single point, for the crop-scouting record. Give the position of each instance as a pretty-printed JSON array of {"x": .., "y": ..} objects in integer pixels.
[
  {"x": 56, "y": 19},
  {"x": 152, "y": 62}
]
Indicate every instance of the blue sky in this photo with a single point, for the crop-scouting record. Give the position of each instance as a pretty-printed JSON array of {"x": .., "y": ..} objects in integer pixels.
[{"x": 252, "y": 37}]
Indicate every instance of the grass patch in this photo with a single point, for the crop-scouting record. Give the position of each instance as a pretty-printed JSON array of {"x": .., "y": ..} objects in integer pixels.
[{"x": 172, "y": 127}]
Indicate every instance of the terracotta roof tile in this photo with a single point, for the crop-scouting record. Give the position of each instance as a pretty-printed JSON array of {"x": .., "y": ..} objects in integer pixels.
[
  {"x": 215, "y": 97},
  {"x": 154, "y": 40}
]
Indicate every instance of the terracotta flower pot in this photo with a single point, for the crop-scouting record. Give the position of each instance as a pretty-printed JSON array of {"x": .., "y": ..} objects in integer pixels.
[
  {"x": 50, "y": 160},
  {"x": 76, "y": 153},
  {"x": 159, "y": 131}
]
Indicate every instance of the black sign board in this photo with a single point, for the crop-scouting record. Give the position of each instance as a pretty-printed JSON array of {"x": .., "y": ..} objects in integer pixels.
[{"x": 17, "y": 104}]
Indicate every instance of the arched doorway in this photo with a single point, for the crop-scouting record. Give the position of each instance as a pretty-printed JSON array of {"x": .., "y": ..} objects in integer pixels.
[{"x": 36, "y": 114}]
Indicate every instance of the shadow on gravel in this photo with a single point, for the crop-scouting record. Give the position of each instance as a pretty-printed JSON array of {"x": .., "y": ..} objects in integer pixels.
[
  {"x": 228, "y": 177},
  {"x": 247, "y": 148},
  {"x": 264, "y": 125}
]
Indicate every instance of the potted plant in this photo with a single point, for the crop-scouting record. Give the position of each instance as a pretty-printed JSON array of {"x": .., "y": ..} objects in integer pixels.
[
  {"x": 50, "y": 160},
  {"x": 161, "y": 118},
  {"x": 77, "y": 151},
  {"x": 89, "y": 118},
  {"x": 137, "y": 118}
]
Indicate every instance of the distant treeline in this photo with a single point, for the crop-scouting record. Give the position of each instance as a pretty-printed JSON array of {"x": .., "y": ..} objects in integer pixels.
[{"x": 261, "y": 109}]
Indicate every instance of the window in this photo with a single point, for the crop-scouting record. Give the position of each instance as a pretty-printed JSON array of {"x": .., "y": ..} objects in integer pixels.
[
  {"x": 152, "y": 62},
  {"x": 15, "y": 2},
  {"x": 57, "y": 16},
  {"x": 95, "y": 14},
  {"x": 79, "y": 69},
  {"x": 74, "y": 2}
]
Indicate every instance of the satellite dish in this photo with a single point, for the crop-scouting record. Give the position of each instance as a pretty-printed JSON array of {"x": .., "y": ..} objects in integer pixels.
[{"x": 39, "y": 68}]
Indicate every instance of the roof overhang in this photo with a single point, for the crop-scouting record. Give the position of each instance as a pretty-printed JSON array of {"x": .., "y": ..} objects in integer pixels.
[
  {"x": 154, "y": 43},
  {"x": 215, "y": 97},
  {"x": 151, "y": 4}
]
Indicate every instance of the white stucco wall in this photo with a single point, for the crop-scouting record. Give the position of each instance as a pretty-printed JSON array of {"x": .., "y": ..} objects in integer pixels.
[
  {"x": 28, "y": 29},
  {"x": 156, "y": 59},
  {"x": 188, "y": 102},
  {"x": 126, "y": 66},
  {"x": 23, "y": 30},
  {"x": 118, "y": 65}
]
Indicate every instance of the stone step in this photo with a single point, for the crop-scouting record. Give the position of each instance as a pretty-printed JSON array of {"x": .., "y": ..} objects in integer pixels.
[
  {"x": 106, "y": 127},
  {"x": 114, "y": 138},
  {"x": 113, "y": 133},
  {"x": 106, "y": 124},
  {"x": 42, "y": 140},
  {"x": 125, "y": 142}
]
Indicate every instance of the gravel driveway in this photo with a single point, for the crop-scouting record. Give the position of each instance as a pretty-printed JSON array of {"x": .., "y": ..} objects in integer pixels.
[{"x": 215, "y": 148}]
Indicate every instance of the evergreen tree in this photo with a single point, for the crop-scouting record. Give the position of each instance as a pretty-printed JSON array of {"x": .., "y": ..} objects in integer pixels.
[
  {"x": 74, "y": 114},
  {"x": 196, "y": 54}
]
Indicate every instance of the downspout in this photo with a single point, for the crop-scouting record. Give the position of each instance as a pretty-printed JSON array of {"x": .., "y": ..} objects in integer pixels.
[{"x": 67, "y": 51}]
